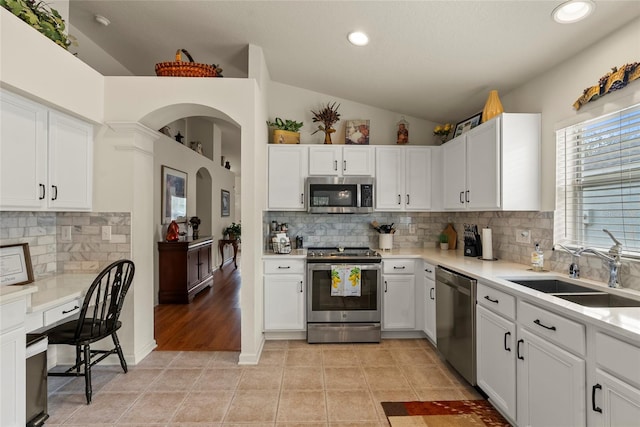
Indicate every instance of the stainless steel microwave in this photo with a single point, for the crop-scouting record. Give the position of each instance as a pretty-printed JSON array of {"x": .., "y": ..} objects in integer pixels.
[{"x": 340, "y": 194}]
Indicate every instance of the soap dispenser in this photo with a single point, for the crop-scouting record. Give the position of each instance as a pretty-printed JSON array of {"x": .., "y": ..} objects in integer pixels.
[{"x": 537, "y": 258}]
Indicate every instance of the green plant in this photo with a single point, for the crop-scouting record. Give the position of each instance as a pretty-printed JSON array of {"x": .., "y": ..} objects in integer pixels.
[
  {"x": 41, "y": 17},
  {"x": 290, "y": 125},
  {"x": 443, "y": 238},
  {"x": 234, "y": 229}
]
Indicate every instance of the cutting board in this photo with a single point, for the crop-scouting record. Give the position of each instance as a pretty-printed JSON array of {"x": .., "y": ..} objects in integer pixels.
[{"x": 450, "y": 232}]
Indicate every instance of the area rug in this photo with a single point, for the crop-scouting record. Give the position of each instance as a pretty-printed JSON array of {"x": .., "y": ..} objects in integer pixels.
[{"x": 443, "y": 413}]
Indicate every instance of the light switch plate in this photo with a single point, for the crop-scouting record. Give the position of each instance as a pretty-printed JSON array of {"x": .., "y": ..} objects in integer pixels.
[
  {"x": 523, "y": 236},
  {"x": 412, "y": 229},
  {"x": 106, "y": 232},
  {"x": 66, "y": 233}
]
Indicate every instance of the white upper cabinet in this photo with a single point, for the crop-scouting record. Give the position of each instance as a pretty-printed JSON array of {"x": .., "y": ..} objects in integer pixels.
[
  {"x": 330, "y": 160},
  {"x": 495, "y": 166},
  {"x": 403, "y": 178},
  {"x": 47, "y": 158},
  {"x": 287, "y": 172}
]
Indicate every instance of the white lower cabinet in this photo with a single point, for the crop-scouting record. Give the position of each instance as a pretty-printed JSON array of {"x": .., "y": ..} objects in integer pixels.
[
  {"x": 614, "y": 402},
  {"x": 284, "y": 296},
  {"x": 496, "y": 359},
  {"x": 550, "y": 383},
  {"x": 12, "y": 363},
  {"x": 399, "y": 295},
  {"x": 429, "y": 302}
]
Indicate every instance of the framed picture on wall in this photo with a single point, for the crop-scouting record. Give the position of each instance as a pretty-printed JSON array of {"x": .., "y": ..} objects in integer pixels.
[
  {"x": 15, "y": 265},
  {"x": 225, "y": 203},
  {"x": 174, "y": 195},
  {"x": 357, "y": 132}
]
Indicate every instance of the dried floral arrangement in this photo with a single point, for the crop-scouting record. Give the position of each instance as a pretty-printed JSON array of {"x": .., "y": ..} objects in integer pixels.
[
  {"x": 616, "y": 79},
  {"x": 328, "y": 116}
]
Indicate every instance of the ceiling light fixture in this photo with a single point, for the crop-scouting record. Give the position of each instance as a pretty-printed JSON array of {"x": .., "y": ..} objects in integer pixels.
[
  {"x": 102, "y": 20},
  {"x": 573, "y": 11},
  {"x": 358, "y": 38}
]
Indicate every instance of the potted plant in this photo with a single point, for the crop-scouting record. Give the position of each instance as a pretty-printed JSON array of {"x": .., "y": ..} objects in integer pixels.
[
  {"x": 285, "y": 132},
  {"x": 444, "y": 242},
  {"x": 41, "y": 17},
  {"x": 233, "y": 231}
]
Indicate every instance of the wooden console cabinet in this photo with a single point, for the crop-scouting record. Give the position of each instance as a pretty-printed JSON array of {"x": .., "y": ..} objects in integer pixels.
[{"x": 185, "y": 269}]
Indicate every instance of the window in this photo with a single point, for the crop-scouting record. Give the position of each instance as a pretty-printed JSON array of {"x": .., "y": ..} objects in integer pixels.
[{"x": 598, "y": 182}]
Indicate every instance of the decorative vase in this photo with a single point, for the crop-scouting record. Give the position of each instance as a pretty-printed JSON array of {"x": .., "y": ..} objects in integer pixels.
[
  {"x": 493, "y": 107},
  {"x": 173, "y": 232},
  {"x": 327, "y": 135}
]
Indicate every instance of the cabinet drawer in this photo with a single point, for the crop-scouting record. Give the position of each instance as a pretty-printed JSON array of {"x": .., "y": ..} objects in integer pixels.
[
  {"x": 558, "y": 329},
  {"x": 497, "y": 301},
  {"x": 60, "y": 312},
  {"x": 429, "y": 271},
  {"x": 12, "y": 314},
  {"x": 619, "y": 357},
  {"x": 404, "y": 266},
  {"x": 284, "y": 266}
]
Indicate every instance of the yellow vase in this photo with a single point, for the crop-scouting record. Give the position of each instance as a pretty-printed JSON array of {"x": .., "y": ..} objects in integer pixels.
[{"x": 493, "y": 107}]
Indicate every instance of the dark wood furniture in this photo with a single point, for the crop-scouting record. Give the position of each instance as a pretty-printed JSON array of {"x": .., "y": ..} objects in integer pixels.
[
  {"x": 224, "y": 242},
  {"x": 185, "y": 269}
]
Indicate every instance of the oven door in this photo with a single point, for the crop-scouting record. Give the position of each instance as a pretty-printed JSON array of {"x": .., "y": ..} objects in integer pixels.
[{"x": 324, "y": 308}]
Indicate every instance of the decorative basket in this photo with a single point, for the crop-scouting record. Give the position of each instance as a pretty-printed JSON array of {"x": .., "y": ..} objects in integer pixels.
[
  {"x": 282, "y": 247},
  {"x": 184, "y": 69}
]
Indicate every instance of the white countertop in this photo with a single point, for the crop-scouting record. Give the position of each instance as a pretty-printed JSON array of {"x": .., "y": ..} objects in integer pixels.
[
  {"x": 56, "y": 290},
  {"x": 14, "y": 292},
  {"x": 621, "y": 320}
]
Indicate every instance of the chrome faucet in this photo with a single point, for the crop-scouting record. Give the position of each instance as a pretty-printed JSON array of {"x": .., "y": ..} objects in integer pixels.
[
  {"x": 574, "y": 268},
  {"x": 613, "y": 259}
]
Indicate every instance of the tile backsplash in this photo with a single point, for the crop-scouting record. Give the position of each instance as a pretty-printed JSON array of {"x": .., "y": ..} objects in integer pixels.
[
  {"x": 355, "y": 230},
  {"x": 86, "y": 252}
]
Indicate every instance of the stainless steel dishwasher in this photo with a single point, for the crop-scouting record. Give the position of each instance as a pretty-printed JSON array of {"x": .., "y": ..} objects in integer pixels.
[{"x": 456, "y": 321}]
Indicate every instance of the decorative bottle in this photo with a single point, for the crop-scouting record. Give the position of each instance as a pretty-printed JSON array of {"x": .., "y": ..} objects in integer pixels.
[
  {"x": 537, "y": 259},
  {"x": 493, "y": 107}
]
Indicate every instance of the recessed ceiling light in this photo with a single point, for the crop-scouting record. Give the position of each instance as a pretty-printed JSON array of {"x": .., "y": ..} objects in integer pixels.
[
  {"x": 358, "y": 38},
  {"x": 573, "y": 11},
  {"x": 102, "y": 20}
]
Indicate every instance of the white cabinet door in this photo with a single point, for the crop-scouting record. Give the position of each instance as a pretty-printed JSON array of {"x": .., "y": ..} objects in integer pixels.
[
  {"x": 284, "y": 302},
  {"x": 613, "y": 402},
  {"x": 417, "y": 178},
  {"x": 389, "y": 179},
  {"x": 398, "y": 303},
  {"x": 325, "y": 160},
  {"x": 551, "y": 384},
  {"x": 358, "y": 161},
  {"x": 454, "y": 173},
  {"x": 287, "y": 172},
  {"x": 70, "y": 163},
  {"x": 496, "y": 359},
  {"x": 483, "y": 166},
  {"x": 23, "y": 153},
  {"x": 12, "y": 378}
]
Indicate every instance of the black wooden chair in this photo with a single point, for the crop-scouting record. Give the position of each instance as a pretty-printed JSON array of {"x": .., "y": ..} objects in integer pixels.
[{"x": 98, "y": 319}]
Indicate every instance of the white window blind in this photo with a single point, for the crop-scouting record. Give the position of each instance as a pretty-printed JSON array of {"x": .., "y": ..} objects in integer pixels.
[{"x": 598, "y": 182}]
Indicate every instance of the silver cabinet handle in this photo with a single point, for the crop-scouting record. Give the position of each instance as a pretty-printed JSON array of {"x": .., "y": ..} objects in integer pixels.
[
  {"x": 344, "y": 165},
  {"x": 284, "y": 268},
  {"x": 395, "y": 267},
  {"x": 302, "y": 198},
  {"x": 300, "y": 286},
  {"x": 335, "y": 165},
  {"x": 461, "y": 193},
  {"x": 399, "y": 199},
  {"x": 431, "y": 293},
  {"x": 385, "y": 286}
]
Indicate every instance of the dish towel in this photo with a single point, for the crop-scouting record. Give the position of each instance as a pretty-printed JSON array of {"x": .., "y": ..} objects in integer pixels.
[{"x": 345, "y": 280}]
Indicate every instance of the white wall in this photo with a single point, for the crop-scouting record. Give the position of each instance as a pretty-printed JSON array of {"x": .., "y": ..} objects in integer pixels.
[
  {"x": 554, "y": 93},
  {"x": 293, "y": 103}
]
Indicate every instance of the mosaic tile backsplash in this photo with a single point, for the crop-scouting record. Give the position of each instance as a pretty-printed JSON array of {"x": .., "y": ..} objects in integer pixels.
[
  {"x": 86, "y": 252},
  {"x": 355, "y": 230}
]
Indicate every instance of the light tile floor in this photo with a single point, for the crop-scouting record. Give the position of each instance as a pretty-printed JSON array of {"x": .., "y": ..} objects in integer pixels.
[{"x": 294, "y": 384}]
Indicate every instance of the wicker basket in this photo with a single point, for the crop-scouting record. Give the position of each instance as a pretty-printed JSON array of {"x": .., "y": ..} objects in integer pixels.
[{"x": 184, "y": 69}]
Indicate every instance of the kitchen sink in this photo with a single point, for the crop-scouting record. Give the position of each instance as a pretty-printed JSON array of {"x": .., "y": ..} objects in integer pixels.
[
  {"x": 553, "y": 286},
  {"x": 602, "y": 299}
]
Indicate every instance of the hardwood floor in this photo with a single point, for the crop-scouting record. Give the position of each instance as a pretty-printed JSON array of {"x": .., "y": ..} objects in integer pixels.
[{"x": 210, "y": 323}]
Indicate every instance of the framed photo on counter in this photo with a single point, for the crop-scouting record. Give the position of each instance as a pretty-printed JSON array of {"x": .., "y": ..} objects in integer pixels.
[
  {"x": 15, "y": 265},
  {"x": 467, "y": 124}
]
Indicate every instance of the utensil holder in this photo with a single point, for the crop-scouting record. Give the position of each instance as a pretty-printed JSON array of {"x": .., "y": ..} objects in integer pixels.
[{"x": 386, "y": 242}]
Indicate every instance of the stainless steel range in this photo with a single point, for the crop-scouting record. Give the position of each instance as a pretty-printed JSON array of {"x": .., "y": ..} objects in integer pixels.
[{"x": 343, "y": 295}]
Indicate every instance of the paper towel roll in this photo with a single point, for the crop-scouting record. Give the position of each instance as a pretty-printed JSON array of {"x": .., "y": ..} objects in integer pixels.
[{"x": 487, "y": 244}]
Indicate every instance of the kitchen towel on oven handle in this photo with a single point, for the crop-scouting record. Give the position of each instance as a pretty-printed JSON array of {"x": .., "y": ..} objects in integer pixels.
[{"x": 346, "y": 280}]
